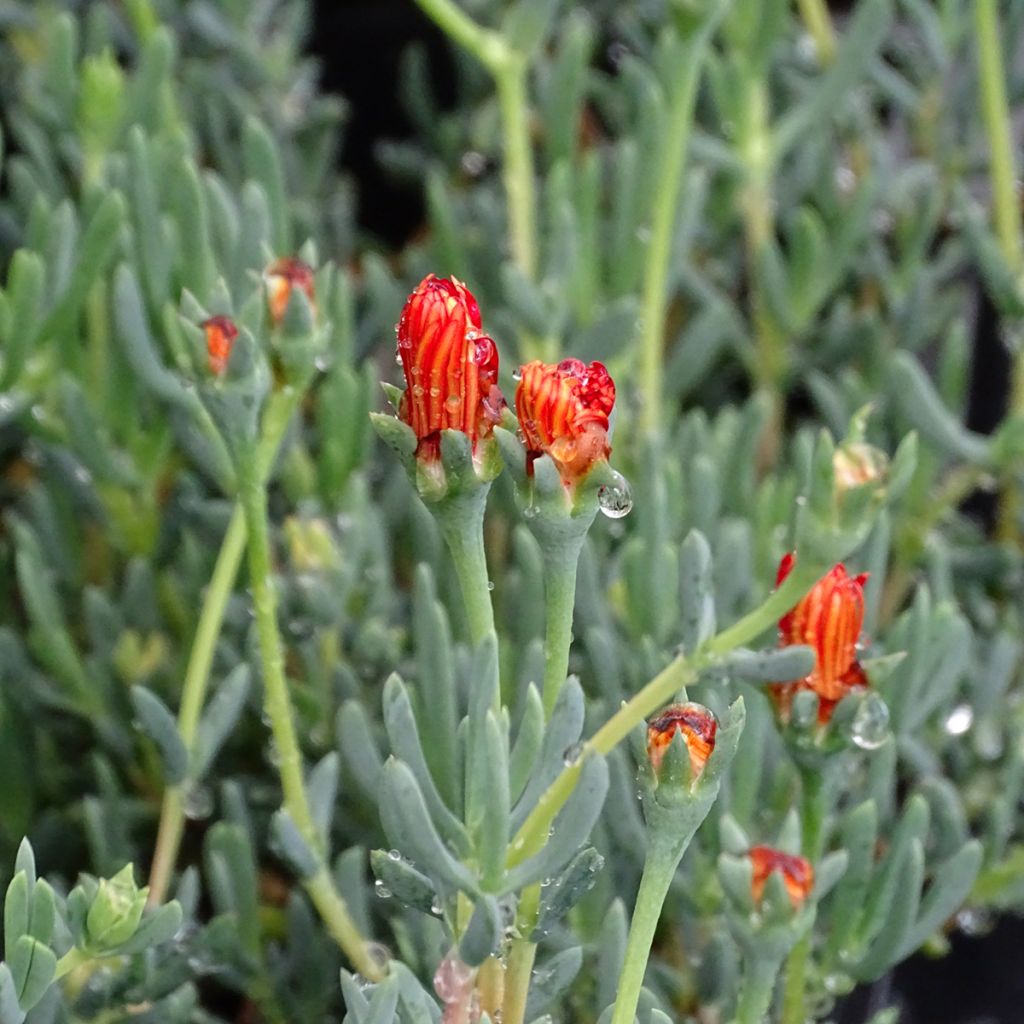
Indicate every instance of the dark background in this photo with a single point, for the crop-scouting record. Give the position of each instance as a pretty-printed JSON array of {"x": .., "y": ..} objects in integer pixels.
[{"x": 359, "y": 45}]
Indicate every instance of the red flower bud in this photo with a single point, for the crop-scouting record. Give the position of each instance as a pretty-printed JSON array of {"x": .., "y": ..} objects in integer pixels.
[
  {"x": 280, "y": 278},
  {"x": 451, "y": 368},
  {"x": 563, "y": 412},
  {"x": 698, "y": 726},
  {"x": 828, "y": 619},
  {"x": 797, "y": 873},
  {"x": 220, "y": 334}
]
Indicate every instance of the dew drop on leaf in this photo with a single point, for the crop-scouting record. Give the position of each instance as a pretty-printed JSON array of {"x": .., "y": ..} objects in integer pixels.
[
  {"x": 959, "y": 720},
  {"x": 198, "y": 803}
]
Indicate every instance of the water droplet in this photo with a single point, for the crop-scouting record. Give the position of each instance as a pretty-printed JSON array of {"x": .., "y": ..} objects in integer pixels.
[
  {"x": 959, "y": 720},
  {"x": 473, "y": 163},
  {"x": 616, "y": 498},
  {"x": 394, "y": 855},
  {"x": 434, "y": 392},
  {"x": 490, "y": 584},
  {"x": 531, "y": 511},
  {"x": 322, "y": 363},
  {"x": 82, "y": 475},
  {"x": 379, "y": 954},
  {"x": 417, "y": 390},
  {"x": 838, "y": 984},
  {"x": 437, "y": 907},
  {"x": 453, "y": 402},
  {"x": 381, "y": 890},
  {"x": 517, "y": 375},
  {"x": 974, "y": 921},
  {"x": 807, "y": 49},
  {"x": 198, "y": 803},
  {"x": 398, "y": 358},
  {"x": 870, "y": 725},
  {"x": 572, "y": 754},
  {"x": 846, "y": 180}
]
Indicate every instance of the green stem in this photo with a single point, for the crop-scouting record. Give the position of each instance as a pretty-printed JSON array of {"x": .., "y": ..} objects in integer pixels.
[
  {"x": 996, "y": 113},
  {"x": 759, "y": 978},
  {"x": 170, "y": 829},
  {"x": 518, "y": 174},
  {"x": 819, "y": 24},
  {"x": 659, "y": 868},
  {"x": 461, "y": 519},
  {"x": 815, "y": 794},
  {"x": 278, "y": 707},
  {"x": 663, "y": 223},
  {"x": 680, "y": 672},
  {"x": 1005, "y": 210},
  {"x": 560, "y": 564},
  {"x": 517, "y": 981},
  {"x": 509, "y": 70},
  {"x": 71, "y": 960}
]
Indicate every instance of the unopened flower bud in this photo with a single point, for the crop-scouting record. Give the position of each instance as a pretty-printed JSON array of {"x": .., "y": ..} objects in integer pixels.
[
  {"x": 280, "y": 278},
  {"x": 220, "y": 334},
  {"x": 797, "y": 873},
  {"x": 563, "y": 412},
  {"x": 698, "y": 727},
  {"x": 450, "y": 366},
  {"x": 116, "y": 910},
  {"x": 828, "y": 618}
]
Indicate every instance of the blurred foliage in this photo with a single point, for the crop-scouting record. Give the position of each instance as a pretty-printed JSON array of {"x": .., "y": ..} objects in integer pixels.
[{"x": 830, "y": 249}]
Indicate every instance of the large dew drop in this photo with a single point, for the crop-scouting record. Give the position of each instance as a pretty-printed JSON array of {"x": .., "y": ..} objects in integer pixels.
[
  {"x": 870, "y": 725},
  {"x": 616, "y": 499}
]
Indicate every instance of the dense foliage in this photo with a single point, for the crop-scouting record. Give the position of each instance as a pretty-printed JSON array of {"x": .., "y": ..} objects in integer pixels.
[{"x": 384, "y": 711}]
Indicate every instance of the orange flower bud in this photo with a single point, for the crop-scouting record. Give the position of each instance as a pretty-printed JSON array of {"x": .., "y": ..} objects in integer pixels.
[
  {"x": 280, "y": 278},
  {"x": 220, "y": 334},
  {"x": 563, "y": 412},
  {"x": 450, "y": 366},
  {"x": 797, "y": 873},
  {"x": 828, "y": 619},
  {"x": 698, "y": 726}
]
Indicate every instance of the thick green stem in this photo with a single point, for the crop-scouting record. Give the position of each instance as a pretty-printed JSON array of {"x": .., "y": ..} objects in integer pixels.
[
  {"x": 819, "y": 24},
  {"x": 559, "y": 601},
  {"x": 659, "y": 867},
  {"x": 197, "y": 673},
  {"x": 680, "y": 672},
  {"x": 461, "y": 520},
  {"x": 663, "y": 221},
  {"x": 278, "y": 707},
  {"x": 759, "y": 977}
]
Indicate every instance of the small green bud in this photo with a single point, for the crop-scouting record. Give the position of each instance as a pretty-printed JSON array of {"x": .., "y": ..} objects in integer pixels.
[
  {"x": 100, "y": 102},
  {"x": 116, "y": 910}
]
